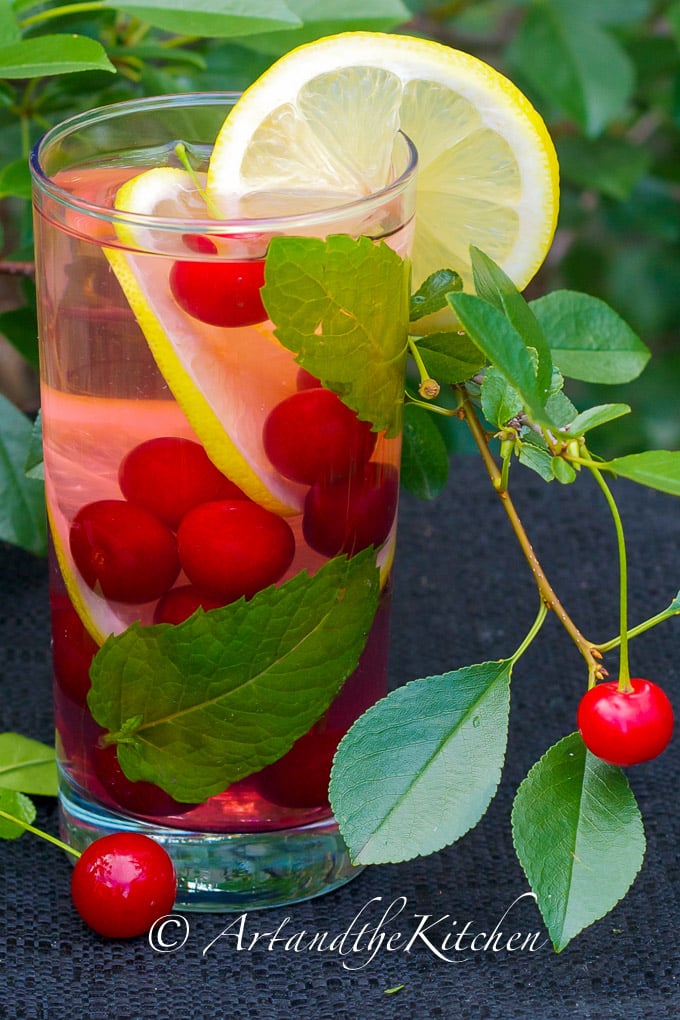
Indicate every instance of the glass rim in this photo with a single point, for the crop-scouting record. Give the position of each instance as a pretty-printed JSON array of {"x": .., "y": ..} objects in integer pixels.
[{"x": 44, "y": 183}]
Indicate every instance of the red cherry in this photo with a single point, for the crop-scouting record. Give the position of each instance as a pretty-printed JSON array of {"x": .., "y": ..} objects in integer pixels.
[
  {"x": 313, "y": 434},
  {"x": 169, "y": 475},
  {"x": 72, "y": 650},
  {"x": 300, "y": 778},
  {"x": 230, "y": 548},
  {"x": 123, "y": 551},
  {"x": 122, "y": 883},
  {"x": 199, "y": 243},
  {"x": 180, "y": 603},
  {"x": 138, "y": 796},
  {"x": 220, "y": 293},
  {"x": 625, "y": 728},
  {"x": 345, "y": 515}
]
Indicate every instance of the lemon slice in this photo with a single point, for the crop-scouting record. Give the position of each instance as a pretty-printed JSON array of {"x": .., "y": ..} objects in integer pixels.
[
  {"x": 214, "y": 374},
  {"x": 324, "y": 117}
]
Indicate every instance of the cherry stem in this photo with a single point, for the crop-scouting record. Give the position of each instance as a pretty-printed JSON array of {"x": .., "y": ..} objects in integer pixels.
[
  {"x": 39, "y": 832},
  {"x": 588, "y": 650},
  {"x": 532, "y": 632},
  {"x": 624, "y": 686},
  {"x": 183, "y": 157},
  {"x": 665, "y": 614}
]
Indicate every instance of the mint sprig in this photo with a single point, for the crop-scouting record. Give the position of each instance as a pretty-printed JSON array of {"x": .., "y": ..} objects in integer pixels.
[
  {"x": 340, "y": 305},
  {"x": 196, "y": 706}
]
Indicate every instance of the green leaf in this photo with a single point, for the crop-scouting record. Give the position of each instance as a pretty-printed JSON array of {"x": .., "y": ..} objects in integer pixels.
[
  {"x": 431, "y": 295},
  {"x": 211, "y": 18},
  {"x": 593, "y": 417},
  {"x": 20, "y": 327},
  {"x": 353, "y": 338},
  {"x": 658, "y": 469},
  {"x": 327, "y": 17},
  {"x": 19, "y": 806},
  {"x": 537, "y": 459},
  {"x": 675, "y": 604},
  {"x": 15, "y": 180},
  {"x": 497, "y": 338},
  {"x": 52, "y": 54},
  {"x": 424, "y": 457},
  {"x": 584, "y": 72},
  {"x": 22, "y": 499},
  {"x": 27, "y": 765},
  {"x": 450, "y": 357},
  {"x": 578, "y": 835},
  {"x": 612, "y": 166},
  {"x": 34, "y": 465},
  {"x": 495, "y": 286},
  {"x": 500, "y": 401},
  {"x": 419, "y": 768},
  {"x": 9, "y": 26},
  {"x": 589, "y": 340},
  {"x": 196, "y": 706},
  {"x": 563, "y": 471}
]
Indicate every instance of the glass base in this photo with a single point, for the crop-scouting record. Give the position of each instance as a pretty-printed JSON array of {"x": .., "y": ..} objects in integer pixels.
[{"x": 227, "y": 871}]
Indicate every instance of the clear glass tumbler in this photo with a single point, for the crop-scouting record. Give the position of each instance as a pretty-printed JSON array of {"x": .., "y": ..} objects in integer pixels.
[{"x": 210, "y": 455}]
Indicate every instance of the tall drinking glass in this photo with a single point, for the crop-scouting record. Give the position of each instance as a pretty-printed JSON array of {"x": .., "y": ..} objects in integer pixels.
[{"x": 221, "y": 497}]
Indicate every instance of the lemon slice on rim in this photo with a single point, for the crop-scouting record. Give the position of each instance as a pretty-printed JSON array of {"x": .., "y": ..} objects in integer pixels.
[
  {"x": 212, "y": 372},
  {"x": 324, "y": 117}
]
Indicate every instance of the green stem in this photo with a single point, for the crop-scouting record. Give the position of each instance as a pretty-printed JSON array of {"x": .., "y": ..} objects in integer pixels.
[
  {"x": 531, "y": 634},
  {"x": 39, "y": 832},
  {"x": 183, "y": 157},
  {"x": 60, "y": 12},
  {"x": 447, "y": 412},
  {"x": 429, "y": 387},
  {"x": 666, "y": 614},
  {"x": 625, "y": 685}
]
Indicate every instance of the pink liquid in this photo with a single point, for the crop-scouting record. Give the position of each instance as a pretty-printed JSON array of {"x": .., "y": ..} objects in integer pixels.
[{"x": 102, "y": 396}]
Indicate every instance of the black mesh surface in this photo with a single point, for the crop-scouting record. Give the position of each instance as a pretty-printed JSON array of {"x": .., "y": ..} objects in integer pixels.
[{"x": 462, "y": 594}]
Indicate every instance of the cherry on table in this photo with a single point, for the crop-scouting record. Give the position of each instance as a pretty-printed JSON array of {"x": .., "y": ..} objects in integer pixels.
[
  {"x": 312, "y": 434},
  {"x": 168, "y": 475},
  {"x": 123, "y": 551},
  {"x": 220, "y": 293},
  {"x": 122, "y": 883},
  {"x": 231, "y": 548},
  {"x": 625, "y": 728},
  {"x": 345, "y": 515}
]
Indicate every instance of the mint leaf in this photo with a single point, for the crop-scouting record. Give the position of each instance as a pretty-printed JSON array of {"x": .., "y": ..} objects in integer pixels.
[
  {"x": 431, "y": 295},
  {"x": 27, "y": 765},
  {"x": 196, "y": 706},
  {"x": 588, "y": 339},
  {"x": 18, "y": 806},
  {"x": 342, "y": 307},
  {"x": 419, "y": 768},
  {"x": 52, "y": 54},
  {"x": 578, "y": 835}
]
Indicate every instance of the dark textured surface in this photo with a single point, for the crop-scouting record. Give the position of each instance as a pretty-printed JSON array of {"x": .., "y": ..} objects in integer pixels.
[{"x": 463, "y": 594}]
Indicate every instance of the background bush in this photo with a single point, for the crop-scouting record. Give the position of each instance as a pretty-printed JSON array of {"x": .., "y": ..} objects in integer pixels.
[{"x": 604, "y": 75}]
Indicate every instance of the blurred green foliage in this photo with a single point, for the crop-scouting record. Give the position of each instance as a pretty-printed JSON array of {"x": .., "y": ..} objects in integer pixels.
[{"x": 605, "y": 75}]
